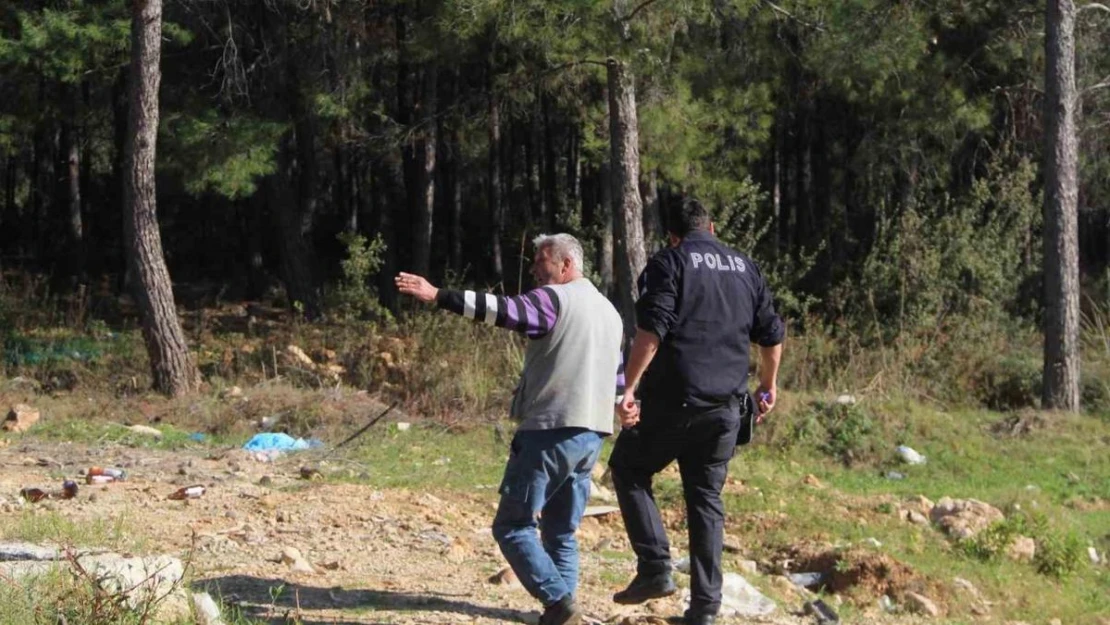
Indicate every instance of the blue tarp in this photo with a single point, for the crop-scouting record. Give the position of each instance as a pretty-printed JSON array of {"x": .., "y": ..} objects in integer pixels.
[{"x": 270, "y": 441}]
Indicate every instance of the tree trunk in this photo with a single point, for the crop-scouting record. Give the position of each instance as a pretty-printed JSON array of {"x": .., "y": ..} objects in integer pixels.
[
  {"x": 605, "y": 221},
  {"x": 172, "y": 367},
  {"x": 425, "y": 197},
  {"x": 653, "y": 222},
  {"x": 553, "y": 200},
  {"x": 297, "y": 259},
  {"x": 497, "y": 216},
  {"x": 624, "y": 145},
  {"x": 1061, "y": 253}
]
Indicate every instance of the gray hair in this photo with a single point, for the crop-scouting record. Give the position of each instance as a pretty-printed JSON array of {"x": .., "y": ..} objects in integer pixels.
[{"x": 562, "y": 246}]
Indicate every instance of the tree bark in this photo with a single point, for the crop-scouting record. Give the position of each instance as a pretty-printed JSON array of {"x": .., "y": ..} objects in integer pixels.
[
  {"x": 604, "y": 216},
  {"x": 1061, "y": 252},
  {"x": 172, "y": 367},
  {"x": 653, "y": 221},
  {"x": 624, "y": 143},
  {"x": 497, "y": 216},
  {"x": 425, "y": 196}
]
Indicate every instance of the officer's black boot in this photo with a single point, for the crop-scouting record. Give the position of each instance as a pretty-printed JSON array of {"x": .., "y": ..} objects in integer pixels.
[
  {"x": 692, "y": 618},
  {"x": 644, "y": 587}
]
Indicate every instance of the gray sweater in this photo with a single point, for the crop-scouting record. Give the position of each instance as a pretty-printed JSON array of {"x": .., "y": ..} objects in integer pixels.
[{"x": 570, "y": 374}]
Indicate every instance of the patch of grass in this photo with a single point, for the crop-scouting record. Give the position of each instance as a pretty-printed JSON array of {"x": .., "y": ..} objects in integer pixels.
[
  {"x": 39, "y": 526},
  {"x": 431, "y": 456}
]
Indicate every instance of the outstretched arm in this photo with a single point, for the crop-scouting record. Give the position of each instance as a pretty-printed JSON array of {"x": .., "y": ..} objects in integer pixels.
[{"x": 533, "y": 313}]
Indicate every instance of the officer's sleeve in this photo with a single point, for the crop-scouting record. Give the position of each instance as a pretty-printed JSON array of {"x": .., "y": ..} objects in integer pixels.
[
  {"x": 658, "y": 287},
  {"x": 767, "y": 328}
]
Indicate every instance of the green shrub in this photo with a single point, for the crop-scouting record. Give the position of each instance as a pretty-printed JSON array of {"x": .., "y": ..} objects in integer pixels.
[
  {"x": 1059, "y": 554},
  {"x": 844, "y": 431},
  {"x": 1010, "y": 384}
]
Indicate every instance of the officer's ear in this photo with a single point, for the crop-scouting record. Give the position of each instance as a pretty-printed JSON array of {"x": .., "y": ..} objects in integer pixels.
[
  {"x": 712, "y": 229},
  {"x": 673, "y": 239}
]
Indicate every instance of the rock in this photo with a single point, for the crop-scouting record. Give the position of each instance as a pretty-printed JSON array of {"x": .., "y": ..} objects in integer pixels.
[
  {"x": 297, "y": 356},
  {"x": 921, "y": 604},
  {"x": 297, "y": 563},
  {"x": 731, "y": 545},
  {"x": 915, "y": 517},
  {"x": 505, "y": 577},
  {"x": 811, "y": 480},
  {"x": 1055, "y": 621},
  {"x": 740, "y": 598},
  {"x": 140, "y": 581},
  {"x": 964, "y": 518},
  {"x": 231, "y": 393},
  {"x": 1092, "y": 553},
  {"x": 1022, "y": 549},
  {"x": 748, "y": 567},
  {"x": 20, "y": 418},
  {"x": 206, "y": 609},
  {"x": 146, "y": 430},
  {"x": 909, "y": 455},
  {"x": 846, "y": 400},
  {"x": 602, "y": 494},
  {"x": 921, "y": 503},
  {"x": 265, "y": 480},
  {"x": 403, "y": 426},
  {"x": 599, "y": 510}
]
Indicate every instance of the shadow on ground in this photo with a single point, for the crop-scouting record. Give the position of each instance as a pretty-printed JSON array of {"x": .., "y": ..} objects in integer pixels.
[{"x": 274, "y": 599}]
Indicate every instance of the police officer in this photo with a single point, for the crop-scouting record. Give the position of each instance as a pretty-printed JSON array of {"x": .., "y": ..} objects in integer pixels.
[{"x": 701, "y": 305}]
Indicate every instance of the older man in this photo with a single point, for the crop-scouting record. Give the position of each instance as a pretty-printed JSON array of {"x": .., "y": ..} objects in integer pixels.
[{"x": 564, "y": 402}]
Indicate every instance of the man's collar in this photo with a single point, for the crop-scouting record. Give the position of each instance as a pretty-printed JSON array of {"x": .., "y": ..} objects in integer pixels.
[{"x": 699, "y": 235}]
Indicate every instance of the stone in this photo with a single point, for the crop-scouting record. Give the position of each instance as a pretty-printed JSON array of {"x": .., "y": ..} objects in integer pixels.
[
  {"x": 740, "y": 598},
  {"x": 140, "y": 581},
  {"x": 811, "y": 480},
  {"x": 915, "y": 517},
  {"x": 297, "y": 356},
  {"x": 206, "y": 609},
  {"x": 1022, "y": 549},
  {"x": 297, "y": 563},
  {"x": 505, "y": 577},
  {"x": 599, "y": 510},
  {"x": 20, "y": 418},
  {"x": 921, "y": 604},
  {"x": 602, "y": 494},
  {"x": 1092, "y": 554},
  {"x": 748, "y": 567},
  {"x": 146, "y": 430},
  {"x": 964, "y": 518},
  {"x": 846, "y": 400},
  {"x": 231, "y": 393}
]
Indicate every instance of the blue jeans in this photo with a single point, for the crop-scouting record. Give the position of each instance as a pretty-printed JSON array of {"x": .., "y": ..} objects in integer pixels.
[{"x": 548, "y": 472}]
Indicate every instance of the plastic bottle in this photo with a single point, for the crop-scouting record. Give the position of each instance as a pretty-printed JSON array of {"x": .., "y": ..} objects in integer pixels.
[
  {"x": 34, "y": 494},
  {"x": 116, "y": 474},
  {"x": 99, "y": 479},
  {"x": 188, "y": 492}
]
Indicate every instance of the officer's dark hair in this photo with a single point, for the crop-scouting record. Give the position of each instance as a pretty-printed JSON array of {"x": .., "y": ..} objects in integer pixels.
[{"x": 687, "y": 216}]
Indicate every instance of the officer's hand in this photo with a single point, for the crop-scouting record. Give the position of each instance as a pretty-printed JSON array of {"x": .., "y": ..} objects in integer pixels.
[
  {"x": 416, "y": 286},
  {"x": 628, "y": 410},
  {"x": 765, "y": 399}
]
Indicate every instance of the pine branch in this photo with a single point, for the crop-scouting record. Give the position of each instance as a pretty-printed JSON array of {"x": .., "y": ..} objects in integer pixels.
[
  {"x": 643, "y": 5},
  {"x": 790, "y": 15}
]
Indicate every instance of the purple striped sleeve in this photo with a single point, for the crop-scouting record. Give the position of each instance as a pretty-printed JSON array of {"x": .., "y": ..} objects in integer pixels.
[{"x": 547, "y": 308}]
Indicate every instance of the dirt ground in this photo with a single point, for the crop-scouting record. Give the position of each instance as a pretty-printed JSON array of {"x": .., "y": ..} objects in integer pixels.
[{"x": 379, "y": 556}]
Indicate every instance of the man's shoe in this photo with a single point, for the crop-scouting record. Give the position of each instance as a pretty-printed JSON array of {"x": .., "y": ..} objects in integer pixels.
[
  {"x": 644, "y": 587},
  {"x": 693, "y": 619},
  {"x": 562, "y": 612}
]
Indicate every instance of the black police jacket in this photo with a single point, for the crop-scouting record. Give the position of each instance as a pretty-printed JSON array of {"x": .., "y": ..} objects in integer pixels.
[{"x": 707, "y": 303}]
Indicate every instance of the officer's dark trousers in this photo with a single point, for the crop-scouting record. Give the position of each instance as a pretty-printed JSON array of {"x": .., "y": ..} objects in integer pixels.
[{"x": 703, "y": 442}]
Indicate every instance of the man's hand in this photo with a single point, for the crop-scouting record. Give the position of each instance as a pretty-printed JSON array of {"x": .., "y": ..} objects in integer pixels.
[
  {"x": 628, "y": 410},
  {"x": 416, "y": 286},
  {"x": 765, "y": 402}
]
